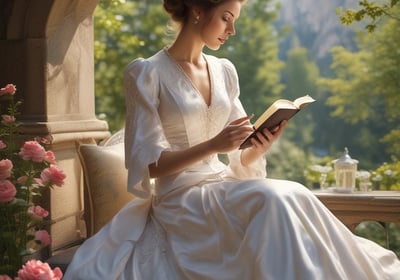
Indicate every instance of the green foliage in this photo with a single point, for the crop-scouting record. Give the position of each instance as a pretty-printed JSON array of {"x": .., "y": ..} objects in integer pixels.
[
  {"x": 387, "y": 176},
  {"x": 351, "y": 77},
  {"x": 124, "y": 30},
  {"x": 371, "y": 10},
  {"x": 300, "y": 75},
  {"x": 286, "y": 161},
  {"x": 392, "y": 141},
  {"x": 313, "y": 173},
  {"x": 364, "y": 91}
]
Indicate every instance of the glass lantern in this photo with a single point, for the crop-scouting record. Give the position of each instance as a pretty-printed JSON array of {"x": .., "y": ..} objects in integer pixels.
[{"x": 345, "y": 172}]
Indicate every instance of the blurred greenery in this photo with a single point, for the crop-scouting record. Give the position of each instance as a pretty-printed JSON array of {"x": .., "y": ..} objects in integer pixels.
[
  {"x": 124, "y": 30},
  {"x": 364, "y": 90}
]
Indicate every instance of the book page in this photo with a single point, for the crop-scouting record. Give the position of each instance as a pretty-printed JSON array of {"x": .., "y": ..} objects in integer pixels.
[{"x": 303, "y": 101}]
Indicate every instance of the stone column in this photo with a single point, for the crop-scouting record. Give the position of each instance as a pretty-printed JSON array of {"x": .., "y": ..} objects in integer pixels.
[{"x": 46, "y": 49}]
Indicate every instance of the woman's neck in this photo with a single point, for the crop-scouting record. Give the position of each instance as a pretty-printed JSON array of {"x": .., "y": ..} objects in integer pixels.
[{"x": 187, "y": 48}]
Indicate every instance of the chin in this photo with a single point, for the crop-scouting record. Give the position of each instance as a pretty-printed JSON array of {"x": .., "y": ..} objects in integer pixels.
[{"x": 214, "y": 48}]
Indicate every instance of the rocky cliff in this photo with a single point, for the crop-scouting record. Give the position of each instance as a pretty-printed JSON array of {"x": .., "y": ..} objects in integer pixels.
[{"x": 315, "y": 25}]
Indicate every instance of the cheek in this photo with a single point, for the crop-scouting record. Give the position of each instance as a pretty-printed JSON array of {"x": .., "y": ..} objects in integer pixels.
[
  {"x": 206, "y": 34},
  {"x": 212, "y": 31},
  {"x": 213, "y": 25}
]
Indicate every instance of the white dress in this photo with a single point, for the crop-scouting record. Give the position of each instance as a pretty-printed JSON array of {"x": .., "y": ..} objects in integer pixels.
[{"x": 214, "y": 220}]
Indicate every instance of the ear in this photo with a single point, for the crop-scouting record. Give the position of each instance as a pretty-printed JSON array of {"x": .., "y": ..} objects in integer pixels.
[{"x": 195, "y": 12}]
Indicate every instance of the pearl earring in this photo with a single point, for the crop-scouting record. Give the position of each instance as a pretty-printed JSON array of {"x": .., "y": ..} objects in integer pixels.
[{"x": 196, "y": 21}]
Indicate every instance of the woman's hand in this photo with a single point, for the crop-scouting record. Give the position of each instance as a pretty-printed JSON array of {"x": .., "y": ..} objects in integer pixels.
[
  {"x": 266, "y": 138},
  {"x": 259, "y": 147},
  {"x": 232, "y": 135}
]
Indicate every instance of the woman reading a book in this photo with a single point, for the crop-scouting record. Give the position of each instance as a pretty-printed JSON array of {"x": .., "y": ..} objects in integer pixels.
[{"x": 200, "y": 218}]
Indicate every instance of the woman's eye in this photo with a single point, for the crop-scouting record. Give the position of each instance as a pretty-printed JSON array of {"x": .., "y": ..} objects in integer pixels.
[{"x": 226, "y": 17}]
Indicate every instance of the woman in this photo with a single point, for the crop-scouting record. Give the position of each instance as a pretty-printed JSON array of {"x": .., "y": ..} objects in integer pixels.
[{"x": 202, "y": 219}]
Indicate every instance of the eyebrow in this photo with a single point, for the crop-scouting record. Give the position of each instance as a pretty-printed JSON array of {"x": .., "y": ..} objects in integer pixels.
[{"x": 229, "y": 12}]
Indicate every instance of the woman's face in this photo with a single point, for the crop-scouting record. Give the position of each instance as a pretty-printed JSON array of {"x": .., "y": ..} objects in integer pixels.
[{"x": 219, "y": 24}]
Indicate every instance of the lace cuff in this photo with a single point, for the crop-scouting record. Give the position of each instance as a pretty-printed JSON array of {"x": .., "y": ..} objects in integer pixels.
[{"x": 256, "y": 170}]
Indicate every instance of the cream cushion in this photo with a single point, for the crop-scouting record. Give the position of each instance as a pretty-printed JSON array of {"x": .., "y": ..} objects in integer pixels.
[{"x": 105, "y": 180}]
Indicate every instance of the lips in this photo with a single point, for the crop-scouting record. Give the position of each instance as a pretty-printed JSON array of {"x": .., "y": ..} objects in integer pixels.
[{"x": 222, "y": 40}]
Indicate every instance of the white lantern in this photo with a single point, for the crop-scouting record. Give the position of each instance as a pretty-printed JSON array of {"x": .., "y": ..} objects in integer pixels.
[{"x": 345, "y": 172}]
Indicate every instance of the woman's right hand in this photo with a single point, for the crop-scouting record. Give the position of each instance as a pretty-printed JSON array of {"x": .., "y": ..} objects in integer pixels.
[{"x": 232, "y": 135}]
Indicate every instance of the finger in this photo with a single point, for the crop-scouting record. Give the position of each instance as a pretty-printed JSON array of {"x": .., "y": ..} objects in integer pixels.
[
  {"x": 275, "y": 129},
  {"x": 243, "y": 132},
  {"x": 260, "y": 142},
  {"x": 236, "y": 133},
  {"x": 281, "y": 128},
  {"x": 255, "y": 142},
  {"x": 283, "y": 124},
  {"x": 268, "y": 134},
  {"x": 243, "y": 120}
]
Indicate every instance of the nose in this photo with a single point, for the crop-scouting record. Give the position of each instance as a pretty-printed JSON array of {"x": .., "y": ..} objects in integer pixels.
[{"x": 231, "y": 29}]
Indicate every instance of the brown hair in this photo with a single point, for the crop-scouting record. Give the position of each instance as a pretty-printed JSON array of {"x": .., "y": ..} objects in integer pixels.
[{"x": 179, "y": 9}]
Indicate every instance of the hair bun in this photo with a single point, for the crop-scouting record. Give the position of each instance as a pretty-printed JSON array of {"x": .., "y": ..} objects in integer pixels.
[{"x": 177, "y": 9}]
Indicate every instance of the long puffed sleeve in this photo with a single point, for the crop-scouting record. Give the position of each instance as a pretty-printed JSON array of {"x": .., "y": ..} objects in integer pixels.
[
  {"x": 144, "y": 135},
  {"x": 258, "y": 168}
]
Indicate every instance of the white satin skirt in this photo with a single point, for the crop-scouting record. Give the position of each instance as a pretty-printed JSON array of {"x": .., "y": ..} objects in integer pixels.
[{"x": 260, "y": 229}]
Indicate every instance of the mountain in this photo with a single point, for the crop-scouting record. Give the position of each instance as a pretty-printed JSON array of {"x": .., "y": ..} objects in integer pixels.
[{"x": 315, "y": 26}]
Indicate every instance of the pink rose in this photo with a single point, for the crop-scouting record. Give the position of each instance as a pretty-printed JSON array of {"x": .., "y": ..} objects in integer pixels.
[
  {"x": 50, "y": 157},
  {"x": 5, "y": 277},
  {"x": 37, "y": 270},
  {"x": 38, "y": 212},
  {"x": 2, "y": 145},
  {"x": 8, "y": 118},
  {"x": 8, "y": 89},
  {"x": 43, "y": 237},
  {"x": 7, "y": 191},
  {"x": 5, "y": 168},
  {"x": 32, "y": 150},
  {"x": 53, "y": 175}
]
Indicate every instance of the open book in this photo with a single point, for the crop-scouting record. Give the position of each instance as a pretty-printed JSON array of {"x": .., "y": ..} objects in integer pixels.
[{"x": 281, "y": 109}]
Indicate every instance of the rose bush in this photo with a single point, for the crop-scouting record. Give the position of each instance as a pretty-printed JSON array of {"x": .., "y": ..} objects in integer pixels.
[{"x": 27, "y": 171}]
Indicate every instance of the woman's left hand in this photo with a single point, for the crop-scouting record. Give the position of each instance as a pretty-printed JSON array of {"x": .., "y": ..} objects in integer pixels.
[
  {"x": 259, "y": 148},
  {"x": 266, "y": 138}
]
